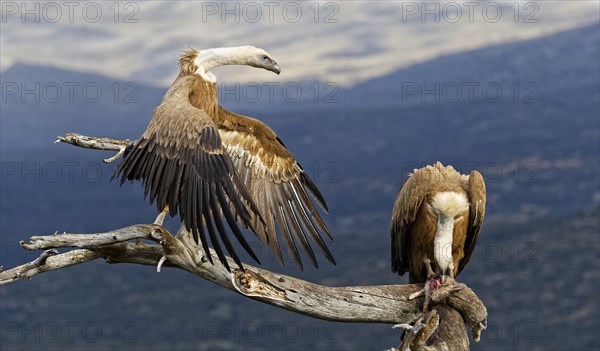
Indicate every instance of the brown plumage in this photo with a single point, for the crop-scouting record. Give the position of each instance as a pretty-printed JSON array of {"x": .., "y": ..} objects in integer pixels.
[
  {"x": 278, "y": 185},
  {"x": 431, "y": 198},
  {"x": 183, "y": 165},
  {"x": 206, "y": 163}
]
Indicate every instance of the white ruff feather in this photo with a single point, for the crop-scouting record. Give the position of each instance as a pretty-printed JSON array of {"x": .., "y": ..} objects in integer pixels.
[{"x": 446, "y": 205}]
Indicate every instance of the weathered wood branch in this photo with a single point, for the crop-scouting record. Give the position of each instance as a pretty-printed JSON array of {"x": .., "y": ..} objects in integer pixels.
[
  {"x": 386, "y": 304},
  {"x": 96, "y": 143},
  {"x": 443, "y": 328},
  {"x": 92, "y": 142}
]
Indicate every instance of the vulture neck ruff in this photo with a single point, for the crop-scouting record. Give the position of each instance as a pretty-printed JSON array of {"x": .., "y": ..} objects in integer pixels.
[{"x": 446, "y": 205}]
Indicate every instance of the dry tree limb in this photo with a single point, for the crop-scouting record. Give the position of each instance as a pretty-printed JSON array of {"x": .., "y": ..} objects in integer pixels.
[
  {"x": 472, "y": 310},
  {"x": 92, "y": 142},
  {"x": 384, "y": 304},
  {"x": 359, "y": 304},
  {"x": 50, "y": 263},
  {"x": 96, "y": 143},
  {"x": 443, "y": 328},
  {"x": 418, "y": 334}
]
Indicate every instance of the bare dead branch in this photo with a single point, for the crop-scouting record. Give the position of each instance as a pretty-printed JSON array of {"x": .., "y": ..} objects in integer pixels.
[
  {"x": 418, "y": 334},
  {"x": 93, "y": 142},
  {"x": 385, "y": 304},
  {"x": 443, "y": 328},
  {"x": 116, "y": 156},
  {"x": 51, "y": 263}
]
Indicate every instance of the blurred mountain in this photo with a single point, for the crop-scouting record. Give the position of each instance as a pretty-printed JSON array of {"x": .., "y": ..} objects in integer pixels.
[
  {"x": 536, "y": 266},
  {"x": 568, "y": 58},
  {"x": 346, "y": 42}
]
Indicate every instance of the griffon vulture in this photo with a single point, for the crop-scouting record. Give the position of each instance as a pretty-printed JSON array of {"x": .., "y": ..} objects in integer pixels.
[
  {"x": 208, "y": 164},
  {"x": 436, "y": 219}
]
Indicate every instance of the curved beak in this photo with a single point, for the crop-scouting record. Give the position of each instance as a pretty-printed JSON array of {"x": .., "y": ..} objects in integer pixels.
[{"x": 275, "y": 68}]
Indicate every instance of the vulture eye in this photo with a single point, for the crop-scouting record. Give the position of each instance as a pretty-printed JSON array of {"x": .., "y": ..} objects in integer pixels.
[{"x": 265, "y": 58}]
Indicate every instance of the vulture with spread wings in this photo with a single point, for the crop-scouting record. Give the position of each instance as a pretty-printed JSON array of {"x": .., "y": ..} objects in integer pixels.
[{"x": 213, "y": 166}]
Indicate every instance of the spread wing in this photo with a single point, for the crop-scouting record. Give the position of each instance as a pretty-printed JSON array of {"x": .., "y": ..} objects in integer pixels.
[
  {"x": 409, "y": 200},
  {"x": 475, "y": 188},
  {"x": 182, "y": 164},
  {"x": 278, "y": 186}
]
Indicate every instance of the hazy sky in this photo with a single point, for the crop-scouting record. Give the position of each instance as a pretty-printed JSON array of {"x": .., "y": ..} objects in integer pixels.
[{"x": 343, "y": 42}]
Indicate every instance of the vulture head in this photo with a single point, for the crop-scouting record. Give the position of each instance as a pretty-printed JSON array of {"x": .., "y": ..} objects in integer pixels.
[
  {"x": 200, "y": 62},
  {"x": 259, "y": 58}
]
